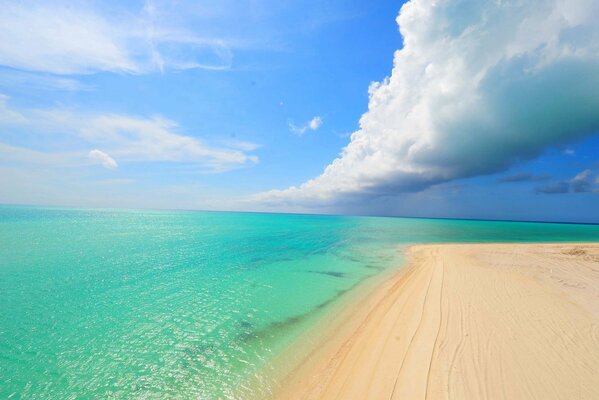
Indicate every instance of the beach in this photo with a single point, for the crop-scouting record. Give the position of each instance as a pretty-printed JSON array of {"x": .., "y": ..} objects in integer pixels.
[
  {"x": 465, "y": 321},
  {"x": 155, "y": 304}
]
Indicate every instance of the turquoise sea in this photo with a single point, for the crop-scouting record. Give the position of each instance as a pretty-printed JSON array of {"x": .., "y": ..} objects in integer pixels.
[{"x": 174, "y": 304}]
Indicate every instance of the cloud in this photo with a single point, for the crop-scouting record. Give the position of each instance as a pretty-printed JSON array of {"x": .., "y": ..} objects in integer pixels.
[
  {"x": 583, "y": 175},
  {"x": 61, "y": 40},
  {"x": 98, "y": 156},
  {"x": 315, "y": 123},
  {"x": 554, "y": 188},
  {"x": 581, "y": 183},
  {"x": 522, "y": 177},
  {"x": 476, "y": 88},
  {"x": 241, "y": 145},
  {"x": 8, "y": 116},
  {"x": 37, "y": 81},
  {"x": 23, "y": 156},
  {"x": 154, "y": 139},
  {"x": 312, "y": 125},
  {"x": 130, "y": 139},
  {"x": 74, "y": 39}
]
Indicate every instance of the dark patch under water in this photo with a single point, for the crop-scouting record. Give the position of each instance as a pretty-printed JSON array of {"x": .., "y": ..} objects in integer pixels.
[
  {"x": 330, "y": 273},
  {"x": 277, "y": 327}
]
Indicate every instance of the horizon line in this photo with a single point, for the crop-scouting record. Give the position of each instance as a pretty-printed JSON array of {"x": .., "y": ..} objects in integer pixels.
[{"x": 532, "y": 221}]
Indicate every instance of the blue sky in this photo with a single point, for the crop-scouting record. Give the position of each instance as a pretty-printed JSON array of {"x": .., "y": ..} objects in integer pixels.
[{"x": 245, "y": 105}]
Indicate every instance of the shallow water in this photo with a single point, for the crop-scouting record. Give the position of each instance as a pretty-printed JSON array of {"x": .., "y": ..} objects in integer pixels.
[{"x": 157, "y": 304}]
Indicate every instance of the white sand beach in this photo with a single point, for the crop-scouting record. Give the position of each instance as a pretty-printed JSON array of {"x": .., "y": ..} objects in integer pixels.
[{"x": 466, "y": 321}]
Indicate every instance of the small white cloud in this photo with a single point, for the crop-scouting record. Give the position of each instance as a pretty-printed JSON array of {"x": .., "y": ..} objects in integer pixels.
[
  {"x": 315, "y": 123},
  {"x": 102, "y": 158},
  {"x": 312, "y": 125},
  {"x": 569, "y": 152},
  {"x": 584, "y": 175}
]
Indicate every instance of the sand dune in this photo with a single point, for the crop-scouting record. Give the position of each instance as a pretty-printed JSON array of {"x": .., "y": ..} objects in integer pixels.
[{"x": 489, "y": 321}]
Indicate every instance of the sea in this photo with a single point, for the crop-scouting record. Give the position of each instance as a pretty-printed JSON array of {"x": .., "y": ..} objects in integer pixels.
[{"x": 125, "y": 304}]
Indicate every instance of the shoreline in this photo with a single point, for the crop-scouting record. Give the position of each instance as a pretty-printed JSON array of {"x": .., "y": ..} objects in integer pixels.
[
  {"x": 322, "y": 333},
  {"x": 462, "y": 321}
]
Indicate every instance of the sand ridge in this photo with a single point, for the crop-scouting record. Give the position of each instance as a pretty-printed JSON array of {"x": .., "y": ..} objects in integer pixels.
[{"x": 468, "y": 321}]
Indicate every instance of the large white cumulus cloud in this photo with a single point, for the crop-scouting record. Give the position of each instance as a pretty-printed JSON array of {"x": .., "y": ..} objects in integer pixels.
[{"x": 477, "y": 87}]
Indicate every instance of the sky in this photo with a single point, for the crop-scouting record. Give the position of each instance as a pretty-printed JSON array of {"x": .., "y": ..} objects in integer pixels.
[{"x": 458, "y": 109}]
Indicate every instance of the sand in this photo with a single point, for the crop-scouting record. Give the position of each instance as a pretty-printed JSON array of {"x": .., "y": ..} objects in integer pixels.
[{"x": 483, "y": 321}]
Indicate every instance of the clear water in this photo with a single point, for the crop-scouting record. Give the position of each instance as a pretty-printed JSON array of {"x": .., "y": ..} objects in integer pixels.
[{"x": 148, "y": 304}]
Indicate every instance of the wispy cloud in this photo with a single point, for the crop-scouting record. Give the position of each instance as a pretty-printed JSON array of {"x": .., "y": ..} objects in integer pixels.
[
  {"x": 33, "y": 81},
  {"x": 554, "y": 188},
  {"x": 18, "y": 155},
  {"x": 76, "y": 39},
  {"x": 522, "y": 177},
  {"x": 241, "y": 144},
  {"x": 7, "y": 115},
  {"x": 155, "y": 139},
  {"x": 125, "y": 138},
  {"x": 311, "y": 125},
  {"x": 65, "y": 40},
  {"x": 581, "y": 183}
]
